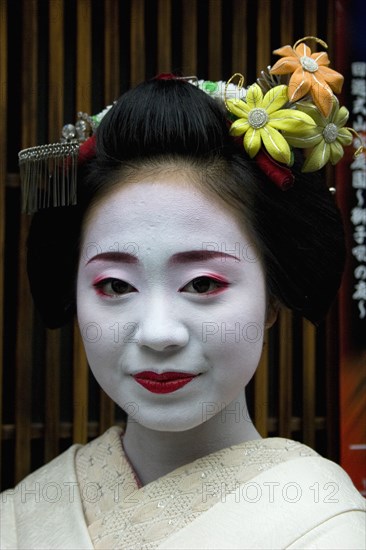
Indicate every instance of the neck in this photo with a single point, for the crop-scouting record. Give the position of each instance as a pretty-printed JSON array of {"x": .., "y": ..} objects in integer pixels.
[{"x": 167, "y": 451}]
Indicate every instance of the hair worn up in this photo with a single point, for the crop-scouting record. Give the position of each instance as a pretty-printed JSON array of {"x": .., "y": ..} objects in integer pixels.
[{"x": 298, "y": 232}]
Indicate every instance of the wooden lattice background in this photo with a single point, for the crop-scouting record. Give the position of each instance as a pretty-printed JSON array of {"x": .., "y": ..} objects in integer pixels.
[{"x": 62, "y": 56}]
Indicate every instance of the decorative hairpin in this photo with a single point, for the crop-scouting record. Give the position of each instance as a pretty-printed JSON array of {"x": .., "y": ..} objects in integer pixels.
[
  {"x": 48, "y": 172},
  {"x": 270, "y": 117},
  {"x": 218, "y": 90}
]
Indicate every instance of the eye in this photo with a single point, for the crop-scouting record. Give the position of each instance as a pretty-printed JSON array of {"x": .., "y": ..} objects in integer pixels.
[
  {"x": 204, "y": 285},
  {"x": 113, "y": 287}
]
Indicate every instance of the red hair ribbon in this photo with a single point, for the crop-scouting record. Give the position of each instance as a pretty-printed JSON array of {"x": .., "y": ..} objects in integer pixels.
[
  {"x": 280, "y": 175},
  {"x": 87, "y": 150},
  {"x": 166, "y": 76}
]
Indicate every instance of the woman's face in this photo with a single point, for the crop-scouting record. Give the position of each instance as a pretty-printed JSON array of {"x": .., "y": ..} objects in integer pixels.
[{"x": 171, "y": 303}]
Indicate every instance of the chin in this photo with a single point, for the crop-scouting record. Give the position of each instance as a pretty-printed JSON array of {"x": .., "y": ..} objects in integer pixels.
[{"x": 166, "y": 422}]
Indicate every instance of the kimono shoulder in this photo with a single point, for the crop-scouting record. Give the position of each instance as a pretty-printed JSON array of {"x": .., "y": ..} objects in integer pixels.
[
  {"x": 308, "y": 502},
  {"x": 44, "y": 510}
]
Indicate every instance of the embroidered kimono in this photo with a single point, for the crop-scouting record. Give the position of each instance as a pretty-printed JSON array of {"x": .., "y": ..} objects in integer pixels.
[{"x": 269, "y": 493}]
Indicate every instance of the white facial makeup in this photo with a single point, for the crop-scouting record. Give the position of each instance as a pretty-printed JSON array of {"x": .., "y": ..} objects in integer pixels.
[{"x": 171, "y": 303}]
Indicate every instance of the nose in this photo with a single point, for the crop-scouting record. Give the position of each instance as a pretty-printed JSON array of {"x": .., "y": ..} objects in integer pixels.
[{"x": 160, "y": 327}]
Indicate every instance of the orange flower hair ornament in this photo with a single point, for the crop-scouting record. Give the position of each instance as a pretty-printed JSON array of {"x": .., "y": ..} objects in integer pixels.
[{"x": 310, "y": 74}]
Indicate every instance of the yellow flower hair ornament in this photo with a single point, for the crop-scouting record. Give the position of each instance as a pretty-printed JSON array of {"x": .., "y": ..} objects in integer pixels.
[
  {"x": 261, "y": 120},
  {"x": 327, "y": 138}
]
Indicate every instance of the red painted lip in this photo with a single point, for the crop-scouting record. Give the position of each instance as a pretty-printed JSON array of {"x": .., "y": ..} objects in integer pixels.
[{"x": 166, "y": 382}]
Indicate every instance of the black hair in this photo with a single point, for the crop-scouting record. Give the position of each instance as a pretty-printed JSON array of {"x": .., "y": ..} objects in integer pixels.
[{"x": 298, "y": 232}]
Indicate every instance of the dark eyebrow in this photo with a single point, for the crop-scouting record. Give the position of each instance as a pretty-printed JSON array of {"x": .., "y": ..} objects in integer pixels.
[
  {"x": 178, "y": 258},
  {"x": 115, "y": 257},
  {"x": 199, "y": 256}
]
